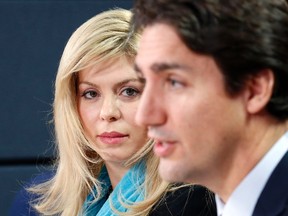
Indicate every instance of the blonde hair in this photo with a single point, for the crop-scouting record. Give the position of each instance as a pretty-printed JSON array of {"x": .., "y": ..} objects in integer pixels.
[{"x": 104, "y": 37}]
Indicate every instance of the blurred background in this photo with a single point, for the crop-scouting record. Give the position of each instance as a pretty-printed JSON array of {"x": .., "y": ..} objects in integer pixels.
[{"x": 32, "y": 37}]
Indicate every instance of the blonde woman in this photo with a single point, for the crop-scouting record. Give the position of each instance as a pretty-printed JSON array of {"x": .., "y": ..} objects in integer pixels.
[{"x": 105, "y": 161}]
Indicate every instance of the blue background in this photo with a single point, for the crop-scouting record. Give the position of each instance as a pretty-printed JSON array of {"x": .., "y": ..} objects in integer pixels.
[{"x": 32, "y": 37}]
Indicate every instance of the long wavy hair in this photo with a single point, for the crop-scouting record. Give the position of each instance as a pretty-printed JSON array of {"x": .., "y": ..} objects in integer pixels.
[{"x": 106, "y": 36}]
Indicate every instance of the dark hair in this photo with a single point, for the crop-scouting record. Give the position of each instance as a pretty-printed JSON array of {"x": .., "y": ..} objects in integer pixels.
[{"x": 244, "y": 37}]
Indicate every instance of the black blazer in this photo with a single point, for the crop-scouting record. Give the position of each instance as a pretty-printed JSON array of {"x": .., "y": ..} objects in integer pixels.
[
  {"x": 186, "y": 201},
  {"x": 273, "y": 200}
]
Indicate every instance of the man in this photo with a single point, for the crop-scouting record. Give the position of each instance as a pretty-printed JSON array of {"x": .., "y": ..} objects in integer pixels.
[{"x": 216, "y": 97}]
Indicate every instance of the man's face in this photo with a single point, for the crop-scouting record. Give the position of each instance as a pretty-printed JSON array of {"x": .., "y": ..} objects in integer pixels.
[{"x": 196, "y": 124}]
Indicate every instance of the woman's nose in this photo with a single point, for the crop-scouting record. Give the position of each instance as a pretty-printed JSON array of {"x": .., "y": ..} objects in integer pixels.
[{"x": 110, "y": 110}]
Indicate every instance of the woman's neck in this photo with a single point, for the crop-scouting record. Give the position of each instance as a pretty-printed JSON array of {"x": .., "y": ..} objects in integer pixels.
[{"x": 116, "y": 171}]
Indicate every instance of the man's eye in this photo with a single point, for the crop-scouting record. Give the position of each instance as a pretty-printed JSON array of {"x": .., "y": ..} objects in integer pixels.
[
  {"x": 90, "y": 94},
  {"x": 130, "y": 92},
  {"x": 175, "y": 83}
]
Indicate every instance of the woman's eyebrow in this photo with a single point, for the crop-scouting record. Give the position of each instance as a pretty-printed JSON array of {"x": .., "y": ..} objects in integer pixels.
[
  {"x": 87, "y": 83},
  {"x": 125, "y": 81},
  {"x": 116, "y": 85}
]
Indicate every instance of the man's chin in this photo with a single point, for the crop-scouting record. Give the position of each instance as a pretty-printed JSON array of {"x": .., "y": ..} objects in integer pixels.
[{"x": 167, "y": 171}]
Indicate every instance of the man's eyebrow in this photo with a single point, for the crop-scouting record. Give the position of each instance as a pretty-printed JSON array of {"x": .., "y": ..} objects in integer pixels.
[{"x": 160, "y": 67}]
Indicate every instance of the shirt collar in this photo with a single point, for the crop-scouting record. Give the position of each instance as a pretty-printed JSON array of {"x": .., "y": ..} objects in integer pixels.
[{"x": 242, "y": 201}]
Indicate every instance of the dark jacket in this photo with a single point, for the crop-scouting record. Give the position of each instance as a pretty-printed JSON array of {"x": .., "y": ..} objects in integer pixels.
[
  {"x": 186, "y": 201},
  {"x": 273, "y": 200}
]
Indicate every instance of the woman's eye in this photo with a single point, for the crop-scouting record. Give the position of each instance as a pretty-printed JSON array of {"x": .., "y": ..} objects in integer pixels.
[
  {"x": 90, "y": 94},
  {"x": 130, "y": 92}
]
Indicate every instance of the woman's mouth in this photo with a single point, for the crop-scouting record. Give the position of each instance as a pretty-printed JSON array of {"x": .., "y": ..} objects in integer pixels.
[{"x": 113, "y": 137}]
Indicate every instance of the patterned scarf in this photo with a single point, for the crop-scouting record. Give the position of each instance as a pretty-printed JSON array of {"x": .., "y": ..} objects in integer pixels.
[{"x": 128, "y": 191}]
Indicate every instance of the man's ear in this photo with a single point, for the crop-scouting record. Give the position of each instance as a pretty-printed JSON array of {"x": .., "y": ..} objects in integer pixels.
[{"x": 259, "y": 90}]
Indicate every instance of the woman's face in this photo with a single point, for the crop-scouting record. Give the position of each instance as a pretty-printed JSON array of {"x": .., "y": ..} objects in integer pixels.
[{"x": 108, "y": 96}]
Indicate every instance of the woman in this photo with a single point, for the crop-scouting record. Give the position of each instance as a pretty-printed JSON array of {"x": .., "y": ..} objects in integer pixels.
[{"x": 105, "y": 161}]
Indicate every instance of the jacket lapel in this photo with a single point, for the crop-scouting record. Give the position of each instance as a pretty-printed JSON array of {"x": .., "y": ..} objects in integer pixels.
[{"x": 273, "y": 200}]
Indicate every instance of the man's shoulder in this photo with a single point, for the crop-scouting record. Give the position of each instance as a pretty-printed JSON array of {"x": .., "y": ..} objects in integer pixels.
[
  {"x": 274, "y": 197},
  {"x": 188, "y": 200}
]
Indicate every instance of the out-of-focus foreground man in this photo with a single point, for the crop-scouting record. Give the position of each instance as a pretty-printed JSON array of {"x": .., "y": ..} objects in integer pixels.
[{"x": 216, "y": 97}]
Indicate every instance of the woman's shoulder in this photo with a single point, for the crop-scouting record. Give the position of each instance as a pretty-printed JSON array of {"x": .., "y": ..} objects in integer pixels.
[{"x": 187, "y": 200}]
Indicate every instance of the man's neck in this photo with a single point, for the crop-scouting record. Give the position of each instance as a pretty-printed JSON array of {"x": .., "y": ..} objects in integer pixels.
[{"x": 258, "y": 139}]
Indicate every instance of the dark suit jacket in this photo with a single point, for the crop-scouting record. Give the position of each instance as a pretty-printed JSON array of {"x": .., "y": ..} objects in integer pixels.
[
  {"x": 187, "y": 201},
  {"x": 273, "y": 200}
]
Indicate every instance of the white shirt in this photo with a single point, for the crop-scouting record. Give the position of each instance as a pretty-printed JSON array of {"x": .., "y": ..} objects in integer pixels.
[{"x": 244, "y": 198}]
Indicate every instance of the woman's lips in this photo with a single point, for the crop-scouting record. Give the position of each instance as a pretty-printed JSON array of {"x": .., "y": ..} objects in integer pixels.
[{"x": 113, "y": 137}]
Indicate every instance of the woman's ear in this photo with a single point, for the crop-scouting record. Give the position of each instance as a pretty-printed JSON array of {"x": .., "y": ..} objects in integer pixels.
[{"x": 259, "y": 90}]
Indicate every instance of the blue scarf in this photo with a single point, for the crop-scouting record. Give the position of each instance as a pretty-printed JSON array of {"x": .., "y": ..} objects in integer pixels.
[{"x": 127, "y": 191}]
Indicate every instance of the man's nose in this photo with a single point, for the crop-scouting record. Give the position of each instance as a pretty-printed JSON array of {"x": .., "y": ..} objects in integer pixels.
[{"x": 150, "y": 110}]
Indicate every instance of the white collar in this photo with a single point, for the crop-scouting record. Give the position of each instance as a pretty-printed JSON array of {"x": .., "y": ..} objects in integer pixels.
[{"x": 244, "y": 198}]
